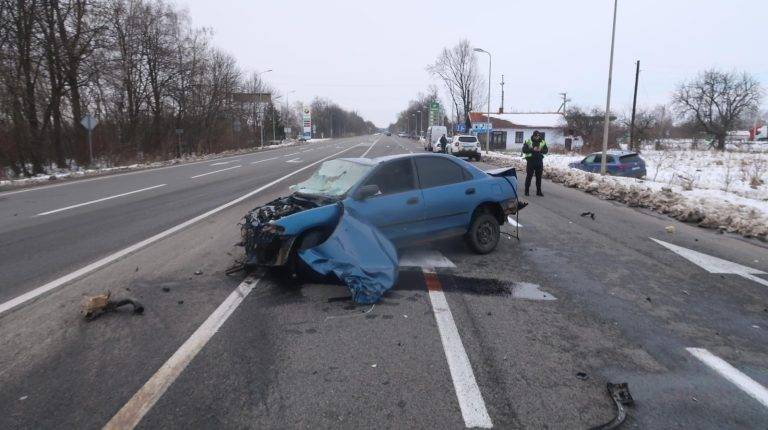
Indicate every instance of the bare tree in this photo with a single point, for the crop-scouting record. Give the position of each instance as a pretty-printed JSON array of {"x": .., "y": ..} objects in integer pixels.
[
  {"x": 457, "y": 68},
  {"x": 717, "y": 101}
]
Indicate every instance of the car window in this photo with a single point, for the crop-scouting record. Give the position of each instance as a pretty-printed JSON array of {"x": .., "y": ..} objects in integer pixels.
[
  {"x": 598, "y": 158},
  {"x": 611, "y": 159},
  {"x": 468, "y": 139},
  {"x": 631, "y": 158},
  {"x": 589, "y": 159},
  {"x": 393, "y": 177},
  {"x": 436, "y": 171}
]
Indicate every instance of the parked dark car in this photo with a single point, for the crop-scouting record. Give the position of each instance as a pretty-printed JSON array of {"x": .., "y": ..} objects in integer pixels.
[{"x": 618, "y": 163}]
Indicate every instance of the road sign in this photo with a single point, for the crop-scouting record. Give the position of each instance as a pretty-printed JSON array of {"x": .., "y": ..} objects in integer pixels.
[
  {"x": 434, "y": 113},
  {"x": 89, "y": 122},
  {"x": 306, "y": 121},
  {"x": 460, "y": 128}
]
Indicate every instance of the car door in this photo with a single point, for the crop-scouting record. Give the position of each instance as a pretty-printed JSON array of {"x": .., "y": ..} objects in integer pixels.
[
  {"x": 398, "y": 209},
  {"x": 450, "y": 194}
]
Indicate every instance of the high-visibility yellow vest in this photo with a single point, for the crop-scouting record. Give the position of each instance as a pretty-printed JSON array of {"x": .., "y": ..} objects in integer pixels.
[{"x": 528, "y": 143}]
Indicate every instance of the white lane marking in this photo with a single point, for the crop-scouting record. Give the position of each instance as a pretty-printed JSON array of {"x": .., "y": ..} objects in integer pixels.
[
  {"x": 513, "y": 223},
  {"x": 215, "y": 171},
  {"x": 713, "y": 264},
  {"x": 29, "y": 295},
  {"x": 372, "y": 145},
  {"x": 100, "y": 200},
  {"x": 222, "y": 163},
  {"x": 288, "y": 155},
  {"x": 293, "y": 160},
  {"x": 470, "y": 399},
  {"x": 744, "y": 382},
  {"x": 77, "y": 180},
  {"x": 137, "y": 407},
  {"x": 308, "y": 150},
  {"x": 266, "y": 159},
  {"x": 424, "y": 258}
]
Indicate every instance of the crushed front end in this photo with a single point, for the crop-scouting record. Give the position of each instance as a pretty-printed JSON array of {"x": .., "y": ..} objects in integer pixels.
[{"x": 266, "y": 241}]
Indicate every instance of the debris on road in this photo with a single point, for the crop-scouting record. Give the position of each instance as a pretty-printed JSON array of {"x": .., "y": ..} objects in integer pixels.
[
  {"x": 94, "y": 306},
  {"x": 582, "y": 375},
  {"x": 620, "y": 395},
  {"x": 589, "y": 214},
  {"x": 670, "y": 229},
  {"x": 198, "y": 272}
]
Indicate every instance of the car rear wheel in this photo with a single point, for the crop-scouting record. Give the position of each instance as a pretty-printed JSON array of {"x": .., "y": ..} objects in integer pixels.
[{"x": 484, "y": 233}]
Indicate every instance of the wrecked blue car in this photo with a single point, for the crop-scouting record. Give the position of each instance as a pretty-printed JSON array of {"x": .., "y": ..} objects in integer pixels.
[{"x": 348, "y": 219}]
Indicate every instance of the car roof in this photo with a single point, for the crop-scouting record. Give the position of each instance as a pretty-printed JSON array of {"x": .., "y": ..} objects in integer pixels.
[
  {"x": 386, "y": 158},
  {"x": 618, "y": 152}
]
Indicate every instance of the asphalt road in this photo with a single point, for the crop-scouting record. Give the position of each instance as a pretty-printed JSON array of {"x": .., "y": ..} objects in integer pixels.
[{"x": 214, "y": 351}]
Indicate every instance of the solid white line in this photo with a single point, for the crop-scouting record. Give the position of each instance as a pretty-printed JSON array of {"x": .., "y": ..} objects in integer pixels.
[
  {"x": 16, "y": 301},
  {"x": 744, "y": 382},
  {"x": 215, "y": 171},
  {"x": 261, "y": 161},
  {"x": 754, "y": 278},
  {"x": 372, "y": 145},
  {"x": 470, "y": 399},
  {"x": 99, "y": 200},
  {"x": 137, "y": 407}
]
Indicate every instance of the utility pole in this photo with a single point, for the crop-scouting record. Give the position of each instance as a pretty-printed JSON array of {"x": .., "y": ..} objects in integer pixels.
[
  {"x": 563, "y": 106},
  {"x": 501, "y": 108},
  {"x": 488, "y": 134},
  {"x": 634, "y": 107},
  {"x": 606, "y": 122},
  {"x": 330, "y": 112}
]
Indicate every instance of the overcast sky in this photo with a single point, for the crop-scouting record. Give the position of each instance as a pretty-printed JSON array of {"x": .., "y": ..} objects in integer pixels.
[{"x": 371, "y": 55}]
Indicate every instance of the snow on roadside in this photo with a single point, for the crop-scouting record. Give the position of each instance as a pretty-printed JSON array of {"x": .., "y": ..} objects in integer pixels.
[
  {"x": 705, "y": 207},
  {"x": 57, "y": 174}
]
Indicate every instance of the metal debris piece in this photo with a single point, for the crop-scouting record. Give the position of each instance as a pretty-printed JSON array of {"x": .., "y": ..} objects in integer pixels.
[
  {"x": 582, "y": 375},
  {"x": 198, "y": 272},
  {"x": 94, "y": 306},
  {"x": 621, "y": 397},
  {"x": 589, "y": 214},
  {"x": 235, "y": 268},
  {"x": 670, "y": 229}
]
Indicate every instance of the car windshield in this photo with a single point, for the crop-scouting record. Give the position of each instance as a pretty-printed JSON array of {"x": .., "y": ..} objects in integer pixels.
[
  {"x": 468, "y": 139},
  {"x": 333, "y": 179}
]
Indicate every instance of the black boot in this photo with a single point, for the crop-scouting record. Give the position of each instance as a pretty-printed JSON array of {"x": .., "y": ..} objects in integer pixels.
[
  {"x": 527, "y": 193},
  {"x": 539, "y": 193}
]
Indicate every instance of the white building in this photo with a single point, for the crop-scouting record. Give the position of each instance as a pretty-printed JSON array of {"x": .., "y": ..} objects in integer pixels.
[{"x": 510, "y": 130}]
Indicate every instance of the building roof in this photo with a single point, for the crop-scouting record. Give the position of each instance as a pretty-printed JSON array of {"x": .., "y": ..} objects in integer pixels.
[{"x": 520, "y": 120}]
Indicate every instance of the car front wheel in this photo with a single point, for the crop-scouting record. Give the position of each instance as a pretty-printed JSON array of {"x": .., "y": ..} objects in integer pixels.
[{"x": 484, "y": 233}]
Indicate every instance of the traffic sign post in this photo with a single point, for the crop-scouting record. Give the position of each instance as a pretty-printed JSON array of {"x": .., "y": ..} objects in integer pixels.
[{"x": 89, "y": 122}]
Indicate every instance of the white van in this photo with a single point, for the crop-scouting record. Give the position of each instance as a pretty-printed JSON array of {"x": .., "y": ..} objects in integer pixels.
[{"x": 434, "y": 133}]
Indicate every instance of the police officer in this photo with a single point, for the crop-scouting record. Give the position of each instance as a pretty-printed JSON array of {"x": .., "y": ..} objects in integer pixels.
[
  {"x": 533, "y": 152},
  {"x": 443, "y": 144}
]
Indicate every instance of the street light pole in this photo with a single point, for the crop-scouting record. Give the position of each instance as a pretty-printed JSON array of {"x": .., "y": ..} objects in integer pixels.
[
  {"x": 418, "y": 124},
  {"x": 261, "y": 111},
  {"x": 608, "y": 97},
  {"x": 488, "y": 134}
]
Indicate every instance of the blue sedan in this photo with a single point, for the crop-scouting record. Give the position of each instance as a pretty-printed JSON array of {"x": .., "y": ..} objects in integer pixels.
[
  {"x": 617, "y": 163},
  {"x": 402, "y": 198}
]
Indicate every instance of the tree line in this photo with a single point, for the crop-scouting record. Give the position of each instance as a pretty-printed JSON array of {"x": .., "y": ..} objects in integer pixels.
[{"x": 157, "y": 85}]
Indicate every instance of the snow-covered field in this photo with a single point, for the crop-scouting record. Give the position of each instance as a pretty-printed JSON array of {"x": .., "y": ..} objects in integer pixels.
[
  {"x": 102, "y": 168},
  {"x": 727, "y": 191}
]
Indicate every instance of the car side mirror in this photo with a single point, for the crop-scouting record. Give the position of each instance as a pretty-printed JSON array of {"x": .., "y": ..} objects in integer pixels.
[{"x": 367, "y": 191}]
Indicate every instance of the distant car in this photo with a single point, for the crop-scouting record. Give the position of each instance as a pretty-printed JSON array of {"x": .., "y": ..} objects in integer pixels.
[
  {"x": 618, "y": 163},
  {"x": 407, "y": 197},
  {"x": 388, "y": 133},
  {"x": 464, "y": 145}
]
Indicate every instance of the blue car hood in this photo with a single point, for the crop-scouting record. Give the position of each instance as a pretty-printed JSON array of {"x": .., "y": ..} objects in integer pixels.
[{"x": 359, "y": 255}]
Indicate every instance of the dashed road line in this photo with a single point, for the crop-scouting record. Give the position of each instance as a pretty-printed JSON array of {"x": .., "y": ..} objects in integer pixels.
[
  {"x": 129, "y": 416},
  {"x": 215, "y": 171},
  {"x": 732, "y": 374},
  {"x": 99, "y": 200},
  {"x": 470, "y": 399},
  {"x": 288, "y": 155},
  {"x": 266, "y": 159},
  {"x": 58, "y": 282}
]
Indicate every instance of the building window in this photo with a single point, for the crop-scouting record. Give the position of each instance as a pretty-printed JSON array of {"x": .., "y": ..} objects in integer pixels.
[{"x": 518, "y": 137}]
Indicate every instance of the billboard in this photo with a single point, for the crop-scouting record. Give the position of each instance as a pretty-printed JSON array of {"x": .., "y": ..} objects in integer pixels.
[{"x": 306, "y": 121}]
